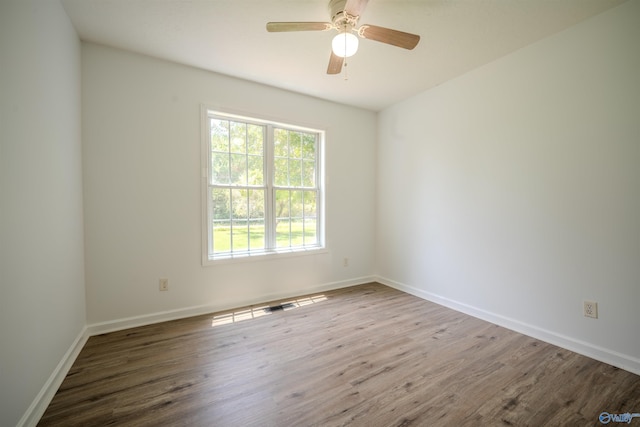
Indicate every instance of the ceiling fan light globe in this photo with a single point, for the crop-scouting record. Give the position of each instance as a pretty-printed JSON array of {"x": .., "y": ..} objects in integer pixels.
[{"x": 345, "y": 45}]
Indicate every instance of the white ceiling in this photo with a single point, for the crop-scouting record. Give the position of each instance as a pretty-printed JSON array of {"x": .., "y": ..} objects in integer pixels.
[{"x": 229, "y": 37}]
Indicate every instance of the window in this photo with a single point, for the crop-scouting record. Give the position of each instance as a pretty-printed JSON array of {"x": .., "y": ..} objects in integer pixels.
[{"x": 262, "y": 192}]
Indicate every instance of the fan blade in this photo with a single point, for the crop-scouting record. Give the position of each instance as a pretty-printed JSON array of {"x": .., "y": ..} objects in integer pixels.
[
  {"x": 355, "y": 7},
  {"x": 388, "y": 36},
  {"x": 276, "y": 27},
  {"x": 335, "y": 64}
]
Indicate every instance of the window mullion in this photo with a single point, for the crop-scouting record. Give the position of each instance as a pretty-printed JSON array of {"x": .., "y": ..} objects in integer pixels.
[
  {"x": 210, "y": 216},
  {"x": 304, "y": 222},
  {"x": 290, "y": 218},
  {"x": 230, "y": 190},
  {"x": 269, "y": 221},
  {"x": 246, "y": 184},
  {"x": 231, "y": 218}
]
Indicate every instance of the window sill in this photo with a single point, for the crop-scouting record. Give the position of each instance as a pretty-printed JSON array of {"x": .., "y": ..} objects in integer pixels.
[{"x": 264, "y": 256}]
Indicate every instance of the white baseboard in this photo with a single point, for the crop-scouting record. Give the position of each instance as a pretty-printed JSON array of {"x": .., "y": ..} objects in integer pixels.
[
  {"x": 35, "y": 411},
  {"x": 613, "y": 358},
  {"x": 181, "y": 313}
]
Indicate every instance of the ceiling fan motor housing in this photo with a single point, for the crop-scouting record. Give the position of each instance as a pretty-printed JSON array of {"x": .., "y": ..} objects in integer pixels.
[{"x": 339, "y": 17}]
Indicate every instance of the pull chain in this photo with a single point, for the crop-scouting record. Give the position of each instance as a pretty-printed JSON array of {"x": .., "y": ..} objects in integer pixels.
[{"x": 346, "y": 74}]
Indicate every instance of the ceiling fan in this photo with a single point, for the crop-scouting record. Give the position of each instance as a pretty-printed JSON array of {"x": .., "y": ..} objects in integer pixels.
[{"x": 344, "y": 19}]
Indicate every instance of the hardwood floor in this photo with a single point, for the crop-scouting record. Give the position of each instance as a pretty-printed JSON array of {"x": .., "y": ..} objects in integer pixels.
[{"x": 363, "y": 356}]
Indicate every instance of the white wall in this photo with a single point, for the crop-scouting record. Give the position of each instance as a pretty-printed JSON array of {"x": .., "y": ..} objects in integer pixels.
[
  {"x": 513, "y": 192},
  {"x": 42, "y": 299},
  {"x": 141, "y": 142}
]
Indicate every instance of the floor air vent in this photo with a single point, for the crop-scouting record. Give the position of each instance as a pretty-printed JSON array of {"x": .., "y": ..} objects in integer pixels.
[{"x": 279, "y": 307}]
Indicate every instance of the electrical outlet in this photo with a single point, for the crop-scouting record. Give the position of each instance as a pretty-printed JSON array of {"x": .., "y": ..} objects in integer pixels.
[
  {"x": 345, "y": 262},
  {"x": 164, "y": 284},
  {"x": 590, "y": 309}
]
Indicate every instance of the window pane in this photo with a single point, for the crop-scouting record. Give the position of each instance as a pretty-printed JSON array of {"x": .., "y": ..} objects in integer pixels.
[
  {"x": 219, "y": 168},
  {"x": 256, "y": 236},
  {"x": 255, "y": 139},
  {"x": 296, "y": 204},
  {"x": 221, "y": 220},
  {"x": 281, "y": 171},
  {"x": 256, "y": 217},
  {"x": 310, "y": 218},
  {"x": 283, "y": 221},
  {"x": 297, "y": 238},
  {"x": 295, "y": 173},
  {"x": 219, "y": 135},
  {"x": 295, "y": 158},
  {"x": 310, "y": 233},
  {"x": 290, "y": 221},
  {"x": 238, "y": 137},
  {"x": 282, "y": 233},
  {"x": 295, "y": 145},
  {"x": 221, "y": 237},
  {"x": 308, "y": 173},
  {"x": 239, "y": 204},
  {"x": 256, "y": 170},
  {"x": 280, "y": 144},
  {"x": 256, "y": 204},
  {"x": 240, "y": 235},
  {"x": 282, "y": 204},
  {"x": 239, "y": 226},
  {"x": 309, "y": 146},
  {"x": 310, "y": 198},
  {"x": 221, "y": 203},
  {"x": 239, "y": 169}
]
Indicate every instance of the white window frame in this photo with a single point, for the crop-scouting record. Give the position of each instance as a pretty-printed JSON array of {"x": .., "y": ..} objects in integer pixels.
[{"x": 208, "y": 256}]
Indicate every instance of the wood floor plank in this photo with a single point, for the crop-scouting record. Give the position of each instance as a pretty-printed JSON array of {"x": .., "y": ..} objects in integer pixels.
[{"x": 367, "y": 355}]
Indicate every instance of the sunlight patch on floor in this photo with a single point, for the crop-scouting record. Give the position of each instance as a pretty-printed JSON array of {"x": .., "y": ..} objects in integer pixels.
[{"x": 263, "y": 310}]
